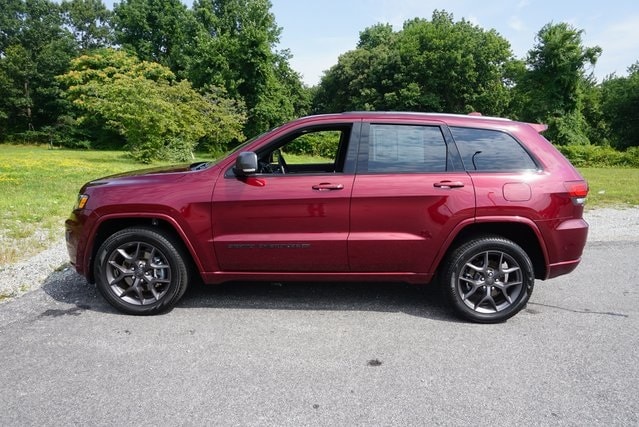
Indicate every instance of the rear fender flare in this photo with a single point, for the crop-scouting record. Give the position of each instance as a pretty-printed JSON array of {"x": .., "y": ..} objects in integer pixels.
[{"x": 446, "y": 245}]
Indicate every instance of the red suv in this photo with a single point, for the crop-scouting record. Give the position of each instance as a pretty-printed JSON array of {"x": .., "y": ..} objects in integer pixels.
[{"x": 481, "y": 205}]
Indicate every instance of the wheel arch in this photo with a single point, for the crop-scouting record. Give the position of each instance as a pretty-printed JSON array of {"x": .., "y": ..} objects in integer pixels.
[
  {"x": 523, "y": 232},
  {"x": 112, "y": 223}
]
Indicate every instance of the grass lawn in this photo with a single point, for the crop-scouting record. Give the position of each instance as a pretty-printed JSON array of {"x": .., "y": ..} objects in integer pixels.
[
  {"x": 38, "y": 188},
  {"x": 612, "y": 186}
]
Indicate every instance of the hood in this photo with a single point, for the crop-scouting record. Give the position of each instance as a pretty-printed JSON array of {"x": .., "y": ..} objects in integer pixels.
[
  {"x": 160, "y": 170},
  {"x": 151, "y": 174}
]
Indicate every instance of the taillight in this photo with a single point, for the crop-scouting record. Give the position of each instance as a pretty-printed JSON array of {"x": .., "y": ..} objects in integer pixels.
[{"x": 578, "y": 190}]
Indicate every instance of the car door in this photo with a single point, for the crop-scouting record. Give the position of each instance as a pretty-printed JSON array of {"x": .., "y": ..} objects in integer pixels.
[
  {"x": 293, "y": 215},
  {"x": 409, "y": 193}
]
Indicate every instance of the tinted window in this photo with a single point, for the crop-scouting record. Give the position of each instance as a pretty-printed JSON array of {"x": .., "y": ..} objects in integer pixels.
[
  {"x": 399, "y": 148},
  {"x": 489, "y": 150}
]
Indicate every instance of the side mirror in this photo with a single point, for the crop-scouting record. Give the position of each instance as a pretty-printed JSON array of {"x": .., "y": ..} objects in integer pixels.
[{"x": 246, "y": 163}]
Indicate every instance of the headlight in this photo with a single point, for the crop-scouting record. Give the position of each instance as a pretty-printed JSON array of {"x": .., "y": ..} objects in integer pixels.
[{"x": 81, "y": 202}]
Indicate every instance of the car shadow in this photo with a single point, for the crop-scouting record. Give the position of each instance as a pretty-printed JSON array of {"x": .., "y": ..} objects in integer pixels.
[{"x": 424, "y": 301}]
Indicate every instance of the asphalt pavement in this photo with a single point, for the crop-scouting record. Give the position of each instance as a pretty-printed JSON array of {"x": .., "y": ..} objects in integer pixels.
[{"x": 327, "y": 354}]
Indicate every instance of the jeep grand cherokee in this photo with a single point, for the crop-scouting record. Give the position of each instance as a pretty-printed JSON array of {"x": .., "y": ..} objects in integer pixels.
[{"x": 483, "y": 206}]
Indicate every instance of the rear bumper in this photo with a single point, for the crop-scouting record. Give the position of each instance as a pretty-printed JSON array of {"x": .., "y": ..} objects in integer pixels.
[
  {"x": 561, "y": 268},
  {"x": 566, "y": 246}
]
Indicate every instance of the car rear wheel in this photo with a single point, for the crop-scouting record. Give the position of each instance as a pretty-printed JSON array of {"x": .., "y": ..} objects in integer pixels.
[
  {"x": 488, "y": 279},
  {"x": 141, "y": 271}
]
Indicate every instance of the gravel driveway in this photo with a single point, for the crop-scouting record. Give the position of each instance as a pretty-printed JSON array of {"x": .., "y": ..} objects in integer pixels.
[{"x": 606, "y": 224}]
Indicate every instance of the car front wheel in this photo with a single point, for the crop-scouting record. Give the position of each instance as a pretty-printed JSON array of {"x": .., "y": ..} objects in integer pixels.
[
  {"x": 488, "y": 279},
  {"x": 141, "y": 271}
]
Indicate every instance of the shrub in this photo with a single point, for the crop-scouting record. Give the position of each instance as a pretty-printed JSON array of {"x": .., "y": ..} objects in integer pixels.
[
  {"x": 157, "y": 116},
  {"x": 320, "y": 144},
  {"x": 600, "y": 156},
  {"x": 30, "y": 137}
]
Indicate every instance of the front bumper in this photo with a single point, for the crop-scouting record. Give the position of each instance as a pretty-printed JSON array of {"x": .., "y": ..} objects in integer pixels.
[{"x": 77, "y": 239}]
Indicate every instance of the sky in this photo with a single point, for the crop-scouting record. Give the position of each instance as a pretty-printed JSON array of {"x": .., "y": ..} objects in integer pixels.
[{"x": 317, "y": 32}]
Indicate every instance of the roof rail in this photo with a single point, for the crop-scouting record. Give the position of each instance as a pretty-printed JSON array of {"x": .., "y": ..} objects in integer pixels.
[{"x": 475, "y": 115}]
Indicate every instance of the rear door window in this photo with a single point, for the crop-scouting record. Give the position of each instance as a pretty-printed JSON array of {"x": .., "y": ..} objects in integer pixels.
[
  {"x": 490, "y": 150},
  {"x": 406, "y": 148}
]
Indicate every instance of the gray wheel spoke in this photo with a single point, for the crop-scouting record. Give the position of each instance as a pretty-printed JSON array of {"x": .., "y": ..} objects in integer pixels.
[
  {"x": 507, "y": 297},
  {"x": 492, "y": 301},
  {"x": 487, "y": 298},
  {"x": 503, "y": 288},
  {"x": 118, "y": 279},
  {"x": 508, "y": 270},
  {"x": 121, "y": 268},
  {"x": 126, "y": 291},
  {"x": 124, "y": 254},
  {"x": 155, "y": 293},
  {"x": 136, "y": 254},
  {"x": 470, "y": 293},
  {"x": 159, "y": 266},
  {"x": 471, "y": 281},
  {"x": 479, "y": 303},
  {"x": 476, "y": 268},
  {"x": 138, "y": 289},
  {"x": 506, "y": 285},
  {"x": 475, "y": 284}
]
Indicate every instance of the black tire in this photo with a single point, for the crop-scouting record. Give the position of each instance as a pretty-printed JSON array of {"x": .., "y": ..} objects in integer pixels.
[
  {"x": 141, "y": 271},
  {"x": 488, "y": 279}
]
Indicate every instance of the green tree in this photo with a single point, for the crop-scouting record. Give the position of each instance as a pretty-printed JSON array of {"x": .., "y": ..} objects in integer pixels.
[
  {"x": 34, "y": 47},
  {"x": 11, "y": 12},
  {"x": 360, "y": 81},
  {"x": 620, "y": 106},
  {"x": 597, "y": 127},
  {"x": 235, "y": 47},
  {"x": 377, "y": 35},
  {"x": 89, "y": 21},
  {"x": 437, "y": 65},
  {"x": 296, "y": 96},
  {"x": 159, "y": 117},
  {"x": 155, "y": 30},
  {"x": 552, "y": 89}
]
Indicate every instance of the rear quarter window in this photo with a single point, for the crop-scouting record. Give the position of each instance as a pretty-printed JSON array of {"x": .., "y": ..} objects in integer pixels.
[{"x": 490, "y": 150}]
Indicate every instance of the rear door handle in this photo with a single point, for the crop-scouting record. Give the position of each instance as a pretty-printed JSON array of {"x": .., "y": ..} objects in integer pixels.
[
  {"x": 325, "y": 186},
  {"x": 448, "y": 184}
]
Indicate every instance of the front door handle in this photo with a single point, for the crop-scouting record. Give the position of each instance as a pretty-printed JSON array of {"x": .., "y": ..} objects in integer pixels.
[
  {"x": 325, "y": 186},
  {"x": 448, "y": 184}
]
